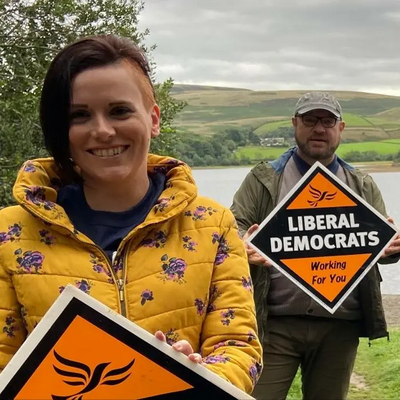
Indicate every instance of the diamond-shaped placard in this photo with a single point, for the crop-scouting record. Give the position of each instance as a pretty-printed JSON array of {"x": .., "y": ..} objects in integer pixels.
[
  {"x": 82, "y": 350},
  {"x": 323, "y": 237}
]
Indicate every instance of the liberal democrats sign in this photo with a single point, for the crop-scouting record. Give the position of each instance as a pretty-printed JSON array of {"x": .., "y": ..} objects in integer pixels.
[{"x": 323, "y": 237}]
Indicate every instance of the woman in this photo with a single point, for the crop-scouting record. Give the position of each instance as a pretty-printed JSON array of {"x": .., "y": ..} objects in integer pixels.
[{"x": 123, "y": 225}]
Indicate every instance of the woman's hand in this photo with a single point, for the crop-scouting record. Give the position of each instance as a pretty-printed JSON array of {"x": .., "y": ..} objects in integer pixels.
[{"x": 183, "y": 346}]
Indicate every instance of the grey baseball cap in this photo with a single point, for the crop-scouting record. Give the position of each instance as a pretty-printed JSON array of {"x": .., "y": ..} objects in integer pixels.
[{"x": 318, "y": 101}]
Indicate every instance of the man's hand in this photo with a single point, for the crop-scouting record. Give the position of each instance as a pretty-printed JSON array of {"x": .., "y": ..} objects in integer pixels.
[
  {"x": 254, "y": 257},
  {"x": 394, "y": 246},
  {"x": 183, "y": 346}
]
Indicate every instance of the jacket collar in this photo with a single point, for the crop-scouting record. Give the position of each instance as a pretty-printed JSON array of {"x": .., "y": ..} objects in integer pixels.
[
  {"x": 270, "y": 173},
  {"x": 279, "y": 164},
  {"x": 37, "y": 185}
]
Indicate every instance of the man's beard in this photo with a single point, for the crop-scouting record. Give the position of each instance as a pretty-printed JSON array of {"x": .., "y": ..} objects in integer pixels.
[{"x": 316, "y": 154}]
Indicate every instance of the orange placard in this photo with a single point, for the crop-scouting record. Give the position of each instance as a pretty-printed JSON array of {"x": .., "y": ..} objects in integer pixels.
[
  {"x": 82, "y": 350},
  {"x": 321, "y": 193},
  {"x": 88, "y": 363},
  {"x": 327, "y": 275},
  {"x": 323, "y": 237}
]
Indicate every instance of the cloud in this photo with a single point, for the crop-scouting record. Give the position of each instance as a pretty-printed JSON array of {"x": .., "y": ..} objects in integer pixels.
[{"x": 277, "y": 44}]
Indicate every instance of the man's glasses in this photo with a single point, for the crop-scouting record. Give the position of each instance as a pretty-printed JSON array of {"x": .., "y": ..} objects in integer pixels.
[{"x": 311, "y": 120}]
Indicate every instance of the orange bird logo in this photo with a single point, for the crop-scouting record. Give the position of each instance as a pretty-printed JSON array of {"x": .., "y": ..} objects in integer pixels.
[{"x": 318, "y": 196}]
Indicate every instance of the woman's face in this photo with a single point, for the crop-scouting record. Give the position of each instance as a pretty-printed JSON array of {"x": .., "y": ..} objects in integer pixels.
[{"x": 110, "y": 125}]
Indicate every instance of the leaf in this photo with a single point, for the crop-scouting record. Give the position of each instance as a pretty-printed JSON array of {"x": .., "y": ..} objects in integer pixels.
[{"x": 164, "y": 257}]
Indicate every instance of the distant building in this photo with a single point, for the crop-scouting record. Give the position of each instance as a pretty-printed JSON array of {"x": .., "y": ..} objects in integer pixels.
[{"x": 273, "y": 142}]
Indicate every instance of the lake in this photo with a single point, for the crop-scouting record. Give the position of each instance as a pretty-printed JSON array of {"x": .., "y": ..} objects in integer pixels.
[{"x": 221, "y": 185}]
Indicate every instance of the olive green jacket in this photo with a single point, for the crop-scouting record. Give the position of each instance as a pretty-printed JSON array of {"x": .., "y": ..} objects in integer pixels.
[{"x": 255, "y": 200}]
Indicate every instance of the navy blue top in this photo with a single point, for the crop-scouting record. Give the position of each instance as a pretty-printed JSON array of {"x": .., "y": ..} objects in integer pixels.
[
  {"x": 303, "y": 166},
  {"x": 107, "y": 229}
]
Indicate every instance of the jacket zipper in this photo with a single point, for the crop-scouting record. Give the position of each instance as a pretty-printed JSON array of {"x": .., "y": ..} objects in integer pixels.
[{"x": 120, "y": 284}]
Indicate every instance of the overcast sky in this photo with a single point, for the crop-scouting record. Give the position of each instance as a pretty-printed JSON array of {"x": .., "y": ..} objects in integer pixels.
[{"x": 277, "y": 44}]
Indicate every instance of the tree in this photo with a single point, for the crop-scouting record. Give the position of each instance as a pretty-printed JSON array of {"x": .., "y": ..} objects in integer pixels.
[
  {"x": 254, "y": 138},
  {"x": 396, "y": 158},
  {"x": 282, "y": 131},
  {"x": 230, "y": 145},
  {"x": 198, "y": 161},
  {"x": 224, "y": 160},
  {"x": 168, "y": 140},
  {"x": 209, "y": 160},
  {"x": 31, "y": 33},
  {"x": 237, "y": 136}
]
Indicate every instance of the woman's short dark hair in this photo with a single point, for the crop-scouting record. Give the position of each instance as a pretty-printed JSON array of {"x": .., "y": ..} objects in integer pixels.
[{"x": 91, "y": 52}]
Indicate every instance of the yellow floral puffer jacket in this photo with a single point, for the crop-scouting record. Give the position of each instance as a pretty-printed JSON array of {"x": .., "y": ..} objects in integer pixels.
[{"x": 183, "y": 271}]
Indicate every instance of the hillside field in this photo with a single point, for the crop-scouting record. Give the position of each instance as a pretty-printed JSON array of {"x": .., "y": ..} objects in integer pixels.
[
  {"x": 384, "y": 147},
  {"x": 368, "y": 116}
]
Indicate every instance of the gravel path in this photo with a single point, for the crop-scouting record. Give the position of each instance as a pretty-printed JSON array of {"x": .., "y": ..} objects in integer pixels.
[{"x": 391, "y": 304}]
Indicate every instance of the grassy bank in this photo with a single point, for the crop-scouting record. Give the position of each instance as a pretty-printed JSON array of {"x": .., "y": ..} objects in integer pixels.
[
  {"x": 351, "y": 121},
  {"x": 376, "y": 373},
  {"x": 391, "y": 146},
  {"x": 367, "y": 166}
]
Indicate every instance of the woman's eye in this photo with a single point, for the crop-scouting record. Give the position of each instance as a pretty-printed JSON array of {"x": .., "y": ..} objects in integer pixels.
[
  {"x": 121, "y": 111},
  {"x": 78, "y": 115}
]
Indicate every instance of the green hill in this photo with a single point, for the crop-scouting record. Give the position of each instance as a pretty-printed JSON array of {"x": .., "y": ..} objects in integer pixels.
[{"x": 214, "y": 109}]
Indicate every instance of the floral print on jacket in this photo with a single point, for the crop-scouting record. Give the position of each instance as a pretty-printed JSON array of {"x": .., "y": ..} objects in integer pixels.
[{"x": 184, "y": 271}]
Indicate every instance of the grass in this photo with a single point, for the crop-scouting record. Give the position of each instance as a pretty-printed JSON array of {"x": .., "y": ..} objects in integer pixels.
[
  {"x": 378, "y": 365},
  {"x": 392, "y": 141},
  {"x": 382, "y": 147},
  {"x": 389, "y": 146},
  {"x": 256, "y": 152},
  {"x": 392, "y": 114},
  {"x": 204, "y": 113},
  {"x": 385, "y": 123},
  {"x": 272, "y": 126},
  {"x": 227, "y": 106},
  {"x": 351, "y": 121}
]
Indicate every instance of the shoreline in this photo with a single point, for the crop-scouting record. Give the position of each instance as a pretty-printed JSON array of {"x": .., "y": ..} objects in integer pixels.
[
  {"x": 391, "y": 305},
  {"x": 369, "y": 167}
]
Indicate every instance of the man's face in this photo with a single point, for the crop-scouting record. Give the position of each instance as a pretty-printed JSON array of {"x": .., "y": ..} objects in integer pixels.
[{"x": 317, "y": 139}]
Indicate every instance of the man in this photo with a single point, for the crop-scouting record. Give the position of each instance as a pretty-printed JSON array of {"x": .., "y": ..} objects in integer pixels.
[{"x": 298, "y": 331}]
